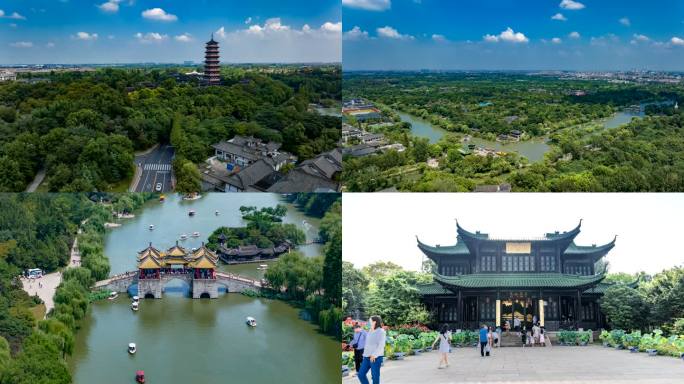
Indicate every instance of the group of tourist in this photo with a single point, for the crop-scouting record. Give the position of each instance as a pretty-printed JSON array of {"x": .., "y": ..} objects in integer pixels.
[
  {"x": 369, "y": 346},
  {"x": 369, "y": 350}
]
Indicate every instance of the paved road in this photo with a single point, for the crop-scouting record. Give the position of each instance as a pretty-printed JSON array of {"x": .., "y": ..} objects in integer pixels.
[
  {"x": 156, "y": 168},
  {"x": 562, "y": 365},
  {"x": 40, "y": 176}
]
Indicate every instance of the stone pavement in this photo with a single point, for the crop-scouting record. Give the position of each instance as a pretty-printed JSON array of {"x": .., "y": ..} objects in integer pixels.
[{"x": 568, "y": 365}]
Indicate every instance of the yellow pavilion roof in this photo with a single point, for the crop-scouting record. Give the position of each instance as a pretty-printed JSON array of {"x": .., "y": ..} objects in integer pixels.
[
  {"x": 177, "y": 251},
  {"x": 150, "y": 250},
  {"x": 203, "y": 262},
  {"x": 149, "y": 262}
]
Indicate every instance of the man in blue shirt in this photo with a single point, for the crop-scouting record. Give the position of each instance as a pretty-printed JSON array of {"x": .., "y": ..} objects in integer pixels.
[
  {"x": 483, "y": 339},
  {"x": 358, "y": 343}
]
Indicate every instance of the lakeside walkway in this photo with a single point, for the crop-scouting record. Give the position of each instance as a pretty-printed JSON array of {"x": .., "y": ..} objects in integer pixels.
[
  {"x": 46, "y": 286},
  {"x": 592, "y": 364}
]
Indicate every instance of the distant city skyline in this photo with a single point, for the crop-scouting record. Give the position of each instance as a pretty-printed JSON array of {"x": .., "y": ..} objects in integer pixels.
[
  {"x": 140, "y": 31},
  {"x": 581, "y": 35}
]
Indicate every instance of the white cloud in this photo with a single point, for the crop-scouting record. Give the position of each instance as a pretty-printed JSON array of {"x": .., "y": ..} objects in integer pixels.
[
  {"x": 150, "y": 37},
  {"x": 111, "y": 6},
  {"x": 637, "y": 38},
  {"x": 184, "y": 38},
  {"x": 50, "y": 45},
  {"x": 574, "y": 35},
  {"x": 270, "y": 26},
  {"x": 22, "y": 44},
  {"x": 391, "y": 33},
  {"x": 508, "y": 36},
  {"x": 332, "y": 27},
  {"x": 559, "y": 16},
  {"x": 556, "y": 40},
  {"x": 248, "y": 20},
  {"x": 355, "y": 34},
  {"x": 677, "y": 41},
  {"x": 158, "y": 14},
  {"x": 221, "y": 33},
  {"x": 14, "y": 15},
  {"x": 571, "y": 5},
  {"x": 439, "y": 38},
  {"x": 85, "y": 36},
  {"x": 625, "y": 21},
  {"x": 368, "y": 5}
]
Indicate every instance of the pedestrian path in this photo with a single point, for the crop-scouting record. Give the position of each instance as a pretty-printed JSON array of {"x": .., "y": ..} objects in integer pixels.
[{"x": 591, "y": 364}]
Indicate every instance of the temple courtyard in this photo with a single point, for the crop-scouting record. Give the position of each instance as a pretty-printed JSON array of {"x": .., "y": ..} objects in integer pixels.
[{"x": 592, "y": 364}]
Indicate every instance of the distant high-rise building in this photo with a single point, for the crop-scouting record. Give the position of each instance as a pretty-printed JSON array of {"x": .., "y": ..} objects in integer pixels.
[{"x": 212, "y": 70}]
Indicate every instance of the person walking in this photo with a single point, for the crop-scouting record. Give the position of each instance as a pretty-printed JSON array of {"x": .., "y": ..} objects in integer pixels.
[
  {"x": 444, "y": 339},
  {"x": 497, "y": 336},
  {"x": 542, "y": 342},
  {"x": 490, "y": 341},
  {"x": 516, "y": 325},
  {"x": 373, "y": 352},
  {"x": 524, "y": 337},
  {"x": 358, "y": 343},
  {"x": 535, "y": 334},
  {"x": 483, "y": 339}
]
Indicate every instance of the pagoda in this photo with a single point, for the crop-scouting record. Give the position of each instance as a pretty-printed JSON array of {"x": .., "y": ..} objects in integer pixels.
[
  {"x": 212, "y": 69},
  {"x": 484, "y": 280}
]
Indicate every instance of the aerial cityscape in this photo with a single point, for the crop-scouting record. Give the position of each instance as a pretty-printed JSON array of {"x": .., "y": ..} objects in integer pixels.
[
  {"x": 140, "y": 125},
  {"x": 576, "y": 102}
]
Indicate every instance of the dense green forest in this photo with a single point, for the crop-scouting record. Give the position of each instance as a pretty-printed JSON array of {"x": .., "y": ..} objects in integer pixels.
[
  {"x": 37, "y": 230},
  {"x": 83, "y": 127},
  {"x": 644, "y": 155}
]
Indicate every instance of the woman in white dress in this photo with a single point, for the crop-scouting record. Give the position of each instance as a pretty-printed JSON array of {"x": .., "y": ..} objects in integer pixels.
[{"x": 444, "y": 339}]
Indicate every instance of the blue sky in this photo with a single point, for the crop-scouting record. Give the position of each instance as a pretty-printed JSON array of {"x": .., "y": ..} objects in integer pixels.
[
  {"x": 513, "y": 34},
  {"x": 121, "y": 31}
]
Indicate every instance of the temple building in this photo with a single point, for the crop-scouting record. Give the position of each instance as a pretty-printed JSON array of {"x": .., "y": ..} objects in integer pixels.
[
  {"x": 212, "y": 69},
  {"x": 197, "y": 267},
  {"x": 484, "y": 280}
]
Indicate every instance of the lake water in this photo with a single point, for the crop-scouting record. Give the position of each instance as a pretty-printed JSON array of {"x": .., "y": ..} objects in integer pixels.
[
  {"x": 533, "y": 149},
  {"x": 181, "y": 340}
]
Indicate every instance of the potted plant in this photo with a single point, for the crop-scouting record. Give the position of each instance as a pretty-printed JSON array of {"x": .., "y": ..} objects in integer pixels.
[
  {"x": 402, "y": 345},
  {"x": 616, "y": 336},
  {"x": 584, "y": 338},
  {"x": 347, "y": 363},
  {"x": 604, "y": 338},
  {"x": 416, "y": 346}
]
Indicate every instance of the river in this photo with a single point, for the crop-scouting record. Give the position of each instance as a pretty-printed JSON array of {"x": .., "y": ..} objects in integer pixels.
[
  {"x": 533, "y": 149},
  {"x": 181, "y": 340}
]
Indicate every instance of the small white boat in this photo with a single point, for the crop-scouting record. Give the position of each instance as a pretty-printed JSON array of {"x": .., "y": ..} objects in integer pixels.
[
  {"x": 131, "y": 348},
  {"x": 195, "y": 234},
  {"x": 183, "y": 236},
  {"x": 262, "y": 267},
  {"x": 191, "y": 213},
  {"x": 135, "y": 306},
  {"x": 136, "y": 299},
  {"x": 113, "y": 296},
  {"x": 151, "y": 227},
  {"x": 251, "y": 321},
  {"x": 217, "y": 213}
]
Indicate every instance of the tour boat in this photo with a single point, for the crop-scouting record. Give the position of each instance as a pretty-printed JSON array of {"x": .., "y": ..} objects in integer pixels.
[
  {"x": 195, "y": 234},
  {"x": 151, "y": 227},
  {"x": 191, "y": 213},
  {"x": 251, "y": 321},
  {"x": 131, "y": 348},
  {"x": 135, "y": 306},
  {"x": 262, "y": 267},
  {"x": 216, "y": 213},
  {"x": 113, "y": 296},
  {"x": 183, "y": 236},
  {"x": 140, "y": 377}
]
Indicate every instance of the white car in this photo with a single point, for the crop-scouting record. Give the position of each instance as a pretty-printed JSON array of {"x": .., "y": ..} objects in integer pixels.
[{"x": 158, "y": 188}]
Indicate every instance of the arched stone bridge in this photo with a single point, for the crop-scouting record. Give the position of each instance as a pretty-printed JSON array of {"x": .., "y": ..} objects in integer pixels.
[{"x": 153, "y": 288}]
